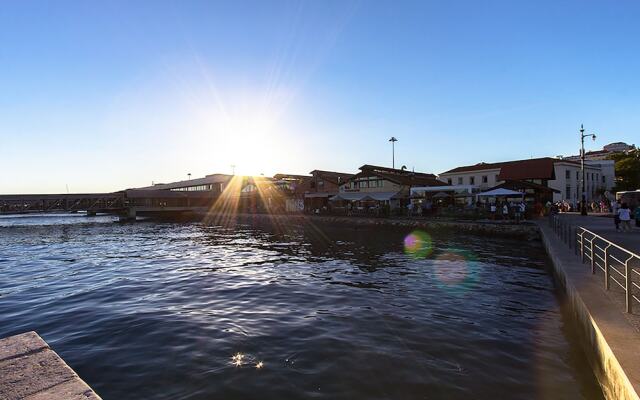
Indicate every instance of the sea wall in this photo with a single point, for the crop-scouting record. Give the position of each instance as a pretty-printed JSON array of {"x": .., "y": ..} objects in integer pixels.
[
  {"x": 610, "y": 341},
  {"x": 525, "y": 230}
]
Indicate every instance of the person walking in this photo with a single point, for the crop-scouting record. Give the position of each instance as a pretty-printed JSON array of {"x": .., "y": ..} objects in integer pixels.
[
  {"x": 505, "y": 211},
  {"x": 625, "y": 217},
  {"x": 616, "y": 217},
  {"x": 638, "y": 216}
]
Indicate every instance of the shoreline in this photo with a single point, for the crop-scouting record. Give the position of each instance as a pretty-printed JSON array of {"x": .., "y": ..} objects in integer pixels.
[{"x": 525, "y": 230}]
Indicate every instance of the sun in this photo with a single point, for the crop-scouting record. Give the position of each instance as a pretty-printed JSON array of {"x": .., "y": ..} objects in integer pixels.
[{"x": 247, "y": 134}]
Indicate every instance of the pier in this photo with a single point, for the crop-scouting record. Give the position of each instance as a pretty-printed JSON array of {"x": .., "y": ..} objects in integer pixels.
[{"x": 30, "y": 370}]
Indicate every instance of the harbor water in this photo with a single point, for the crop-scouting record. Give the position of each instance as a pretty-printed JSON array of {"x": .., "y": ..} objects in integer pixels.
[{"x": 186, "y": 310}]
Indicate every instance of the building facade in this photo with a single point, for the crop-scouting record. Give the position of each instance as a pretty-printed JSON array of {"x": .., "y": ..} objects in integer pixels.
[
  {"x": 562, "y": 176},
  {"x": 388, "y": 186}
]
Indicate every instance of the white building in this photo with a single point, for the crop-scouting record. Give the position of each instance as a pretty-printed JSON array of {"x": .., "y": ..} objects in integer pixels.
[{"x": 562, "y": 176}]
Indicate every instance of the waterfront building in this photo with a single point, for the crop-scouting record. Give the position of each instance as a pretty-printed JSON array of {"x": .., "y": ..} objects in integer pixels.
[
  {"x": 291, "y": 190},
  {"x": 384, "y": 186},
  {"x": 443, "y": 195},
  {"x": 323, "y": 186},
  {"x": 212, "y": 183},
  {"x": 547, "y": 178}
]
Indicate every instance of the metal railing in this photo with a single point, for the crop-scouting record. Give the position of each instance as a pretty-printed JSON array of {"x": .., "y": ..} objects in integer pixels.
[{"x": 617, "y": 264}]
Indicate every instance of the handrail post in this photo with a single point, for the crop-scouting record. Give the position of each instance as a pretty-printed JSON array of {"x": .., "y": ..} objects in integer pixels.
[
  {"x": 627, "y": 273},
  {"x": 582, "y": 246},
  {"x": 593, "y": 259},
  {"x": 606, "y": 267}
]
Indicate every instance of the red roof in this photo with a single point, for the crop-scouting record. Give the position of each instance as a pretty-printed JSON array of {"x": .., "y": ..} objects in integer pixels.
[
  {"x": 535, "y": 168},
  {"x": 539, "y": 168},
  {"x": 399, "y": 176}
]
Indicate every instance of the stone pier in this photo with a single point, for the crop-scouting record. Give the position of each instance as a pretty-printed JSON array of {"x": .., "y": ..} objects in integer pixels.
[{"x": 30, "y": 370}]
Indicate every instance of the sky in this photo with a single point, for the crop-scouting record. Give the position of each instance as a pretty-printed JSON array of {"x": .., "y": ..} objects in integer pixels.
[{"x": 102, "y": 96}]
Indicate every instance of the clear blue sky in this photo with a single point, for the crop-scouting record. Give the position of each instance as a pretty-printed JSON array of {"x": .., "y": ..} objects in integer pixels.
[{"x": 105, "y": 95}]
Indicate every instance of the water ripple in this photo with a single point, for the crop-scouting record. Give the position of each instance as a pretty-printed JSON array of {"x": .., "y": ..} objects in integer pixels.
[{"x": 188, "y": 311}]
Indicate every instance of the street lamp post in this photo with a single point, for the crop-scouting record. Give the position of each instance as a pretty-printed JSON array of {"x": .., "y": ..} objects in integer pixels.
[
  {"x": 393, "y": 141},
  {"x": 583, "y": 204}
]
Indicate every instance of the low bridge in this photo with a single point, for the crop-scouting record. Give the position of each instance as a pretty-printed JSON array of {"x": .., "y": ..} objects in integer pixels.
[
  {"x": 127, "y": 203},
  {"x": 91, "y": 203}
]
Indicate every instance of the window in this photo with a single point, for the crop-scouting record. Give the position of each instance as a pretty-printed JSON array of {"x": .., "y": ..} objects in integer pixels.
[
  {"x": 373, "y": 183},
  {"x": 603, "y": 180},
  {"x": 472, "y": 180},
  {"x": 363, "y": 184},
  {"x": 449, "y": 181},
  {"x": 460, "y": 181},
  {"x": 577, "y": 175},
  {"x": 485, "y": 179},
  {"x": 567, "y": 192},
  {"x": 567, "y": 174}
]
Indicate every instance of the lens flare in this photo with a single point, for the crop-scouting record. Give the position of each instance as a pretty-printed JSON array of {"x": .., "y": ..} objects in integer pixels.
[
  {"x": 418, "y": 244},
  {"x": 455, "y": 270}
]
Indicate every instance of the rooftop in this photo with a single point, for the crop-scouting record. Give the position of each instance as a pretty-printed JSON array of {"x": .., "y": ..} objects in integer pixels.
[{"x": 399, "y": 176}]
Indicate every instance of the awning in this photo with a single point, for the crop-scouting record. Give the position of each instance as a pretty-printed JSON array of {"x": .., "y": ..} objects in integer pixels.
[
  {"x": 355, "y": 196},
  {"x": 501, "y": 192},
  {"x": 318, "y": 195},
  {"x": 361, "y": 196},
  {"x": 383, "y": 196}
]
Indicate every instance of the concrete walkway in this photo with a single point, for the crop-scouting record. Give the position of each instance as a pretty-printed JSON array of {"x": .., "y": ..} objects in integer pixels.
[
  {"x": 30, "y": 370},
  {"x": 609, "y": 336},
  {"x": 603, "y": 225}
]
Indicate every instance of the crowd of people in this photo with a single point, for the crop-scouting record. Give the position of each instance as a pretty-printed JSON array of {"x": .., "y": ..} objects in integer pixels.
[
  {"x": 601, "y": 206},
  {"x": 621, "y": 212},
  {"x": 500, "y": 210}
]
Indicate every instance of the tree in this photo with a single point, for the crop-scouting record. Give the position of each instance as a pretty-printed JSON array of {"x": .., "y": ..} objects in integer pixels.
[{"x": 627, "y": 170}]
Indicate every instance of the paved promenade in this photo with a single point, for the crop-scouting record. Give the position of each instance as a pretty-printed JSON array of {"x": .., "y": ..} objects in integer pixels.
[
  {"x": 609, "y": 336},
  {"x": 30, "y": 370},
  {"x": 603, "y": 225}
]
